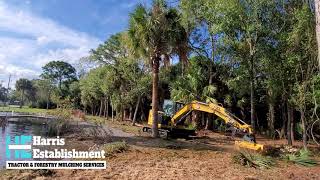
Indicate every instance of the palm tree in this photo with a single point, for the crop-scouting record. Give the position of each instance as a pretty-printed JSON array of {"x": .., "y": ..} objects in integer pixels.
[
  {"x": 179, "y": 37},
  {"x": 149, "y": 31},
  {"x": 23, "y": 85}
]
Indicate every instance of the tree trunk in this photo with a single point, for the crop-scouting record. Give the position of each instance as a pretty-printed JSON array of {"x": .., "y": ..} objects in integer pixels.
[
  {"x": 304, "y": 133},
  {"x": 183, "y": 58},
  {"x": 85, "y": 108},
  {"x": 284, "y": 120},
  {"x": 252, "y": 106},
  {"x": 155, "y": 98},
  {"x": 136, "y": 112},
  {"x": 292, "y": 128},
  {"x": 92, "y": 109},
  {"x": 271, "y": 118},
  {"x": 203, "y": 120},
  {"x": 101, "y": 108},
  {"x": 21, "y": 102},
  {"x": 105, "y": 113},
  {"x": 112, "y": 112},
  {"x": 130, "y": 113},
  {"x": 166, "y": 61},
  {"x": 317, "y": 14},
  {"x": 290, "y": 118},
  {"x": 123, "y": 113},
  {"x": 60, "y": 81},
  {"x": 209, "y": 123},
  {"x": 48, "y": 97}
]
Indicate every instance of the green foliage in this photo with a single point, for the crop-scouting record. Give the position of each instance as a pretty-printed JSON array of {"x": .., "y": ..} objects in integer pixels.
[
  {"x": 26, "y": 89},
  {"x": 61, "y": 125},
  {"x": 253, "y": 160},
  {"x": 218, "y": 48},
  {"x": 44, "y": 90},
  {"x": 57, "y": 127},
  {"x": 3, "y": 93},
  {"x": 194, "y": 85},
  {"x": 60, "y": 73},
  {"x": 302, "y": 157}
]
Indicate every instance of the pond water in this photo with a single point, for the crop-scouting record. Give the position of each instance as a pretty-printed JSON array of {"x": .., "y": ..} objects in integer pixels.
[{"x": 17, "y": 128}]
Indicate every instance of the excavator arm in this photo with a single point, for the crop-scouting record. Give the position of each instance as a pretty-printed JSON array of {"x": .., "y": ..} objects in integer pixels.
[
  {"x": 173, "y": 124},
  {"x": 225, "y": 115}
]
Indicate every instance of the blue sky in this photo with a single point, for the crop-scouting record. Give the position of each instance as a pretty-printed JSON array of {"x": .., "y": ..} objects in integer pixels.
[{"x": 34, "y": 32}]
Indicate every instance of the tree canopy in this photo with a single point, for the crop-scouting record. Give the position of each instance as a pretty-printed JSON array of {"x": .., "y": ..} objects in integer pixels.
[{"x": 257, "y": 58}]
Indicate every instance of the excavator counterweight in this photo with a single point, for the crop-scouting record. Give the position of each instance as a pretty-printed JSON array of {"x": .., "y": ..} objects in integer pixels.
[{"x": 172, "y": 122}]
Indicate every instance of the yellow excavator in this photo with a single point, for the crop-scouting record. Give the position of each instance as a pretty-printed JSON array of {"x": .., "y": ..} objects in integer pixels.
[{"x": 172, "y": 122}]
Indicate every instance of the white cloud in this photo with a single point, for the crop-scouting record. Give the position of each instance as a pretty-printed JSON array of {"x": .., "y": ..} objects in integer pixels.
[{"x": 30, "y": 44}]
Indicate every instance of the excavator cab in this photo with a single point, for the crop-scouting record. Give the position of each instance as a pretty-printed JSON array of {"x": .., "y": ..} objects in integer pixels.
[
  {"x": 171, "y": 107},
  {"x": 166, "y": 125}
]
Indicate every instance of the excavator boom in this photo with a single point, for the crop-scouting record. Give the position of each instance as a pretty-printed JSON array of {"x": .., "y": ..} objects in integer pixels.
[
  {"x": 180, "y": 115},
  {"x": 212, "y": 108}
]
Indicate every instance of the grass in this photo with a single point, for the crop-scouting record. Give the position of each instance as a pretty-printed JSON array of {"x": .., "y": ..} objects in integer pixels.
[
  {"x": 123, "y": 125},
  {"x": 24, "y": 109}
]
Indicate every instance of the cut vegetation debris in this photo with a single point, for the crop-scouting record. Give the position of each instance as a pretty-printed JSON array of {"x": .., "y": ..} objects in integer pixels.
[
  {"x": 255, "y": 160},
  {"x": 302, "y": 157},
  {"x": 115, "y": 147}
]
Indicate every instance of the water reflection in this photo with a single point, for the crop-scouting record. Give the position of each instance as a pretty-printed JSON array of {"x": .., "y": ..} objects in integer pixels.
[{"x": 17, "y": 128}]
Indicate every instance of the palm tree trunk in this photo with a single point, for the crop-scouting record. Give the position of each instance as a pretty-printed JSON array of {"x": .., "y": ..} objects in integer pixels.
[{"x": 155, "y": 91}]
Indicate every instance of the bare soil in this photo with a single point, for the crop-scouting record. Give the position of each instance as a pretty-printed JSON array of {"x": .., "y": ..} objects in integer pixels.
[{"x": 208, "y": 157}]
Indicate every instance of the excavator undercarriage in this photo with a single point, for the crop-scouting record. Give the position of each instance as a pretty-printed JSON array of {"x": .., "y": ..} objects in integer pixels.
[{"x": 173, "y": 122}]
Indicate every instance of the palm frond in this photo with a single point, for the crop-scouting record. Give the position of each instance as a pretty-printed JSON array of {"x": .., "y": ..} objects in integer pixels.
[
  {"x": 253, "y": 160},
  {"x": 302, "y": 157}
]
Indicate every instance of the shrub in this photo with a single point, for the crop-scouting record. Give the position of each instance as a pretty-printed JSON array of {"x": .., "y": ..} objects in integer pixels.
[{"x": 57, "y": 127}]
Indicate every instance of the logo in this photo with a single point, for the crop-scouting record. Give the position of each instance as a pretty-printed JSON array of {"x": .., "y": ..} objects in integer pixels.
[
  {"x": 21, "y": 155},
  {"x": 19, "y": 148}
]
